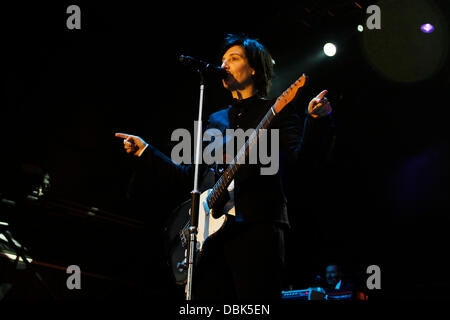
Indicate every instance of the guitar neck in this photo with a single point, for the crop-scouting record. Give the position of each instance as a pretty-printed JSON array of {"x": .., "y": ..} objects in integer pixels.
[{"x": 229, "y": 173}]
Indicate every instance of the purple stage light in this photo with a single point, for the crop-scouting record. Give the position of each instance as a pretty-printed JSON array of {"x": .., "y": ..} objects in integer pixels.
[{"x": 427, "y": 28}]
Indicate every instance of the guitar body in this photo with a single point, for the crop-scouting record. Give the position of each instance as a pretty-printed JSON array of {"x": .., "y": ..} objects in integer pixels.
[
  {"x": 207, "y": 224},
  {"x": 178, "y": 234},
  {"x": 175, "y": 239}
]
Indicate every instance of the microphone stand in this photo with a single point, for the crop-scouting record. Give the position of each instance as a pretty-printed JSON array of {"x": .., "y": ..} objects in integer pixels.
[{"x": 195, "y": 194}]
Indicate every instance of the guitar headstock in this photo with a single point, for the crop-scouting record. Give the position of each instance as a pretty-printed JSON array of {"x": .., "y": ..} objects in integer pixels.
[{"x": 289, "y": 94}]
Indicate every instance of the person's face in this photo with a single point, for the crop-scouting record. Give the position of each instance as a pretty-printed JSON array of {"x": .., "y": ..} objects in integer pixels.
[
  {"x": 235, "y": 62},
  {"x": 332, "y": 275}
]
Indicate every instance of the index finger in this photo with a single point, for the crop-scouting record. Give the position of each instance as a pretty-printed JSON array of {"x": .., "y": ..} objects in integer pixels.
[
  {"x": 321, "y": 95},
  {"x": 122, "y": 135}
]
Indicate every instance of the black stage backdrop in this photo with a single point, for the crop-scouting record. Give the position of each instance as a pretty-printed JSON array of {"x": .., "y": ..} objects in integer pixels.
[{"x": 381, "y": 198}]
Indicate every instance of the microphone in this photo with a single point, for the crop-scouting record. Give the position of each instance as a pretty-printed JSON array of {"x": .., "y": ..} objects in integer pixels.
[{"x": 204, "y": 67}]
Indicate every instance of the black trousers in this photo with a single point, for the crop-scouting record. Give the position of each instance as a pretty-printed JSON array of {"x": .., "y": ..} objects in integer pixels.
[{"x": 242, "y": 261}]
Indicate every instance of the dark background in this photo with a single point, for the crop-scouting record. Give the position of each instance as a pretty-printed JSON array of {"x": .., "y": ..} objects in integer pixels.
[{"x": 381, "y": 196}]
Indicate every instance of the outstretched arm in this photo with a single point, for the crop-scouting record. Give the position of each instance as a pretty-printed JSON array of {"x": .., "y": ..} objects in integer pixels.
[{"x": 154, "y": 162}]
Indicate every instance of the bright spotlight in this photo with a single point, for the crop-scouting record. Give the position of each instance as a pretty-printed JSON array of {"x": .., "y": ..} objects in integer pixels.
[
  {"x": 427, "y": 28},
  {"x": 360, "y": 28},
  {"x": 329, "y": 49}
]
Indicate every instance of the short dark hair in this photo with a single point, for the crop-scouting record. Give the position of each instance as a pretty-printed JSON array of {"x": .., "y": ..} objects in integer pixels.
[{"x": 258, "y": 57}]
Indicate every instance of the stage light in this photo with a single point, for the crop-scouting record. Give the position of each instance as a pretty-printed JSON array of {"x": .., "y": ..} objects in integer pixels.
[
  {"x": 427, "y": 28},
  {"x": 13, "y": 257},
  {"x": 329, "y": 49},
  {"x": 360, "y": 28}
]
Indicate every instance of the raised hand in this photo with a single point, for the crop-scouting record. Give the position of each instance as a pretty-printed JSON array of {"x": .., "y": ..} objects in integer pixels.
[
  {"x": 132, "y": 144},
  {"x": 319, "y": 106}
]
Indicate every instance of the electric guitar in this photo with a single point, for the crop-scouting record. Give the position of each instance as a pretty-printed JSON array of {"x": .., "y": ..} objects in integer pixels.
[{"x": 210, "y": 221}]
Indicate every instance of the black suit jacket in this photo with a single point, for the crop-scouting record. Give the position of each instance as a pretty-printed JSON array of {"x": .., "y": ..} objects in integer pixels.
[{"x": 258, "y": 198}]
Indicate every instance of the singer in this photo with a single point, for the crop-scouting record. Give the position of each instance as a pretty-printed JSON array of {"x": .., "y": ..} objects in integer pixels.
[{"x": 245, "y": 259}]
